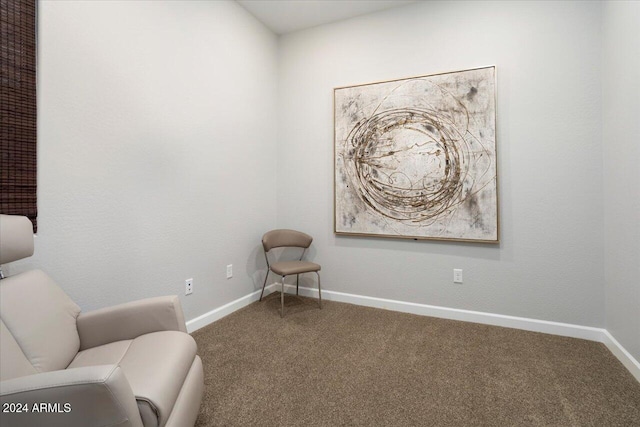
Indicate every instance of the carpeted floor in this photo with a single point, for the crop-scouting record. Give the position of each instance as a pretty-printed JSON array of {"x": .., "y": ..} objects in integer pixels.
[{"x": 352, "y": 365}]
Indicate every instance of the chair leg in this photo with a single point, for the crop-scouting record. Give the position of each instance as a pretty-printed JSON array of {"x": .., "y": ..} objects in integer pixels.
[
  {"x": 282, "y": 299},
  {"x": 264, "y": 284},
  {"x": 319, "y": 291},
  {"x": 297, "y": 283}
]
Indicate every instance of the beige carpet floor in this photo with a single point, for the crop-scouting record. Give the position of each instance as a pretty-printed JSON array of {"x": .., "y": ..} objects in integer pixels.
[{"x": 351, "y": 365}]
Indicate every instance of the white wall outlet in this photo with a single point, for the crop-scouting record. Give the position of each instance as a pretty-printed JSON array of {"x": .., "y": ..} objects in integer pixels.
[
  {"x": 188, "y": 286},
  {"x": 457, "y": 275},
  {"x": 229, "y": 271}
]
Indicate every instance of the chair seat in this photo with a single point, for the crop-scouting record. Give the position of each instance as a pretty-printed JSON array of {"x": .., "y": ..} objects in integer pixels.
[
  {"x": 155, "y": 365},
  {"x": 287, "y": 268}
]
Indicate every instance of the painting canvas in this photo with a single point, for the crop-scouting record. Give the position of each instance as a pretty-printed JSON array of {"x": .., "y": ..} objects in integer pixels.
[{"x": 416, "y": 157}]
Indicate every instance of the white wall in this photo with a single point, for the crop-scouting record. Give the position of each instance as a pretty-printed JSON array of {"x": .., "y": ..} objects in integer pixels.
[
  {"x": 158, "y": 142},
  {"x": 621, "y": 149},
  {"x": 156, "y": 136},
  {"x": 549, "y": 262}
]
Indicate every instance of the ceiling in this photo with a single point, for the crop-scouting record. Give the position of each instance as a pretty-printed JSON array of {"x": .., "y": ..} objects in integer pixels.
[{"x": 285, "y": 16}]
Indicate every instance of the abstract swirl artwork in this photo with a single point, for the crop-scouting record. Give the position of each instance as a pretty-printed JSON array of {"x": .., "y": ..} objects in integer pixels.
[{"x": 416, "y": 157}]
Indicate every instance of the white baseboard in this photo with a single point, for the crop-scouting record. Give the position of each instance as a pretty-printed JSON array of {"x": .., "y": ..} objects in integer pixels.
[
  {"x": 523, "y": 323},
  {"x": 622, "y": 354},
  {"x": 220, "y": 312}
]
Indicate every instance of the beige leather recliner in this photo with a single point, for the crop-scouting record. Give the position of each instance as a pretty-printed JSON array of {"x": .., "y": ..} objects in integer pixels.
[{"x": 128, "y": 365}]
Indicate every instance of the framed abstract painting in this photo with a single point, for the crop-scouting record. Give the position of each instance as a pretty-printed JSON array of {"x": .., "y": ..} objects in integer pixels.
[{"x": 416, "y": 157}]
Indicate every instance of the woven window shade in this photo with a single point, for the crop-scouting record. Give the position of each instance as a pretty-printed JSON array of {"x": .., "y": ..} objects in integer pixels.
[{"x": 18, "y": 108}]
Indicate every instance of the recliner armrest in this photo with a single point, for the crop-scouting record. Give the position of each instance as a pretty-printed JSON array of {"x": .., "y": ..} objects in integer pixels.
[
  {"x": 90, "y": 396},
  {"x": 130, "y": 320}
]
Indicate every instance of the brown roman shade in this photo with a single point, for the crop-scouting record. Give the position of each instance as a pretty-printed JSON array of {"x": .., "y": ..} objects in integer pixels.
[{"x": 18, "y": 108}]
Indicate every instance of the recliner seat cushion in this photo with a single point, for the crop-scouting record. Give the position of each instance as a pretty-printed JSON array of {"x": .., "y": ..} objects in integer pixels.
[
  {"x": 108, "y": 354},
  {"x": 156, "y": 366}
]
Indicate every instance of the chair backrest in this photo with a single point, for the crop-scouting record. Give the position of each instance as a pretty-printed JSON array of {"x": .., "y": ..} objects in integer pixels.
[
  {"x": 38, "y": 320},
  {"x": 285, "y": 238}
]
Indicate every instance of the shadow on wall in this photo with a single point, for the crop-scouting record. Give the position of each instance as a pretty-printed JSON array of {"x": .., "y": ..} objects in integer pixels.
[
  {"x": 489, "y": 251},
  {"x": 256, "y": 266}
]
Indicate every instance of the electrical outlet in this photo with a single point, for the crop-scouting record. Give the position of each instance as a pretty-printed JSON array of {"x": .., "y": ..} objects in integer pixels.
[
  {"x": 229, "y": 271},
  {"x": 188, "y": 286},
  {"x": 457, "y": 275}
]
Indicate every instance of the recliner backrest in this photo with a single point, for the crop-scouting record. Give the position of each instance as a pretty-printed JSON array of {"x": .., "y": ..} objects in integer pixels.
[
  {"x": 37, "y": 319},
  {"x": 13, "y": 362},
  {"x": 42, "y": 320}
]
